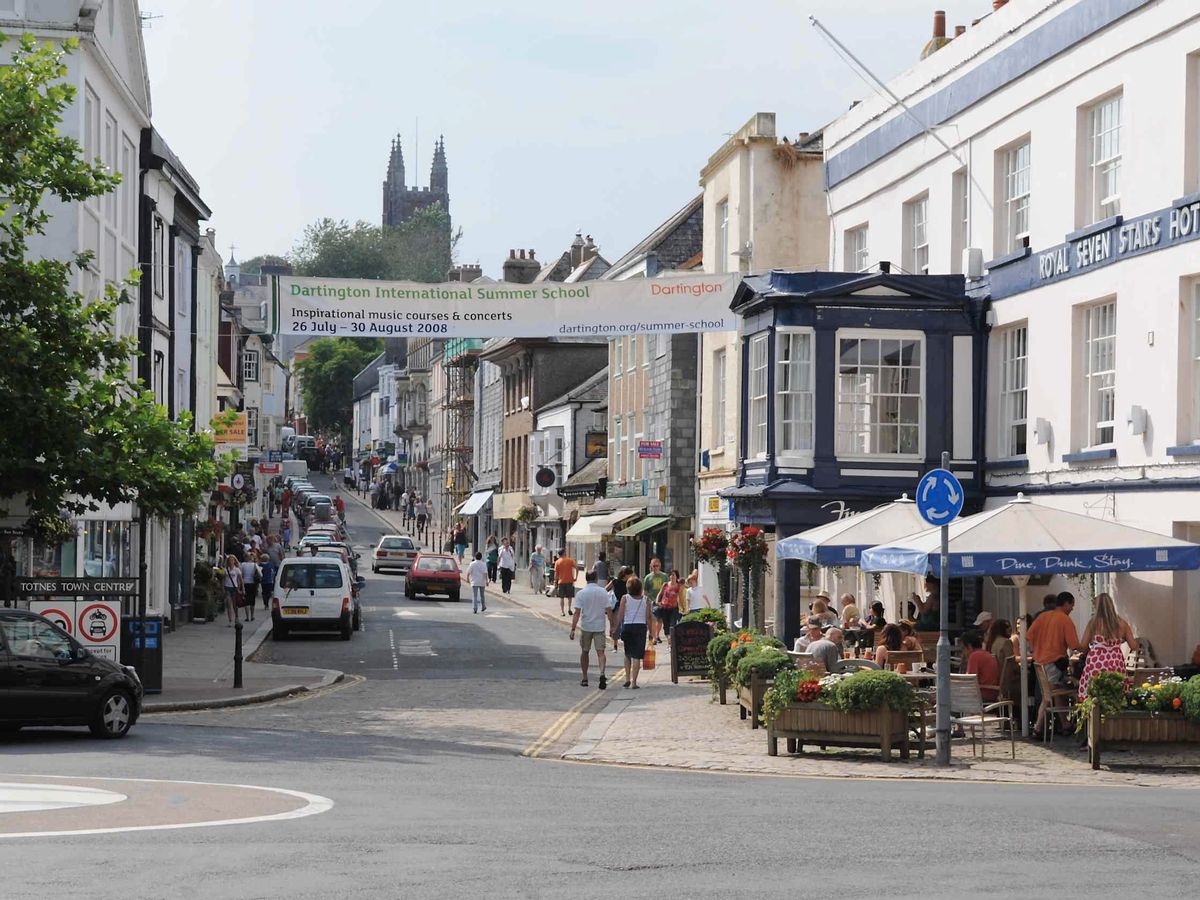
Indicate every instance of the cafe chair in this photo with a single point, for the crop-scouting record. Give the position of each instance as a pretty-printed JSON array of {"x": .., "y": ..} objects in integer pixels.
[
  {"x": 1057, "y": 702},
  {"x": 968, "y": 710}
]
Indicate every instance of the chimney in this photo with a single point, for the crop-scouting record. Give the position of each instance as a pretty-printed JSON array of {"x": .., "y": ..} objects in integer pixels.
[
  {"x": 531, "y": 256},
  {"x": 996, "y": 4},
  {"x": 590, "y": 249},
  {"x": 803, "y": 136},
  {"x": 939, "y": 39},
  {"x": 519, "y": 269},
  {"x": 577, "y": 250},
  {"x": 960, "y": 30}
]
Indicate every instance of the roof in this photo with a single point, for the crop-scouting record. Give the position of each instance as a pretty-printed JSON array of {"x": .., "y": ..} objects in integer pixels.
[
  {"x": 687, "y": 223},
  {"x": 590, "y": 391},
  {"x": 880, "y": 287},
  {"x": 589, "y": 475},
  {"x": 588, "y": 270}
]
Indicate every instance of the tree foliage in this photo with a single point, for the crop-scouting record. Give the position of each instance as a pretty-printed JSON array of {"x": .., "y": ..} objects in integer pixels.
[
  {"x": 420, "y": 249},
  {"x": 327, "y": 381},
  {"x": 79, "y": 429}
]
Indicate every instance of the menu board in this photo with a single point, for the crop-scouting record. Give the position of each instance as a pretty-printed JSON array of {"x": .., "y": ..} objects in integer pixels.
[{"x": 689, "y": 649}]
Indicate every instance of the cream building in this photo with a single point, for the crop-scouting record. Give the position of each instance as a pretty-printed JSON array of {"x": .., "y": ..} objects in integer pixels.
[{"x": 1061, "y": 140}]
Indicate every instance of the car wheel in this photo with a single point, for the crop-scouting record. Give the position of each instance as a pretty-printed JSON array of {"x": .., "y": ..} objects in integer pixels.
[
  {"x": 374, "y": 571},
  {"x": 114, "y": 715},
  {"x": 279, "y": 633},
  {"x": 347, "y": 630},
  {"x": 357, "y": 622}
]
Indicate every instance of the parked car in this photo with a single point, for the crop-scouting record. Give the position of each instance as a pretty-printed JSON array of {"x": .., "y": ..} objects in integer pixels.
[
  {"x": 333, "y": 529},
  {"x": 314, "y": 592},
  {"x": 47, "y": 678},
  {"x": 394, "y": 551},
  {"x": 342, "y": 545},
  {"x": 433, "y": 573}
]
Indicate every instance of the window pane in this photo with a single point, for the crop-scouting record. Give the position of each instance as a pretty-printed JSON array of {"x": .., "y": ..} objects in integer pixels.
[{"x": 879, "y": 399}]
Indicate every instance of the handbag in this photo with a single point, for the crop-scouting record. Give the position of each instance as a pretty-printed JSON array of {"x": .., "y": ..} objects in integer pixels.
[{"x": 649, "y": 658}]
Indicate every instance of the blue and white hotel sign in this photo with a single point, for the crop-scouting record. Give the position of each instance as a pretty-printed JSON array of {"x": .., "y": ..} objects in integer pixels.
[{"x": 939, "y": 497}]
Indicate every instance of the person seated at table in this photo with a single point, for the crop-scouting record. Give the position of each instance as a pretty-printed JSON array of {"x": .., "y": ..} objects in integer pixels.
[
  {"x": 820, "y": 610},
  {"x": 998, "y": 642},
  {"x": 983, "y": 665},
  {"x": 802, "y": 643},
  {"x": 875, "y": 620},
  {"x": 893, "y": 639},
  {"x": 909, "y": 639},
  {"x": 850, "y": 614},
  {"x": 827, "y": 649}
]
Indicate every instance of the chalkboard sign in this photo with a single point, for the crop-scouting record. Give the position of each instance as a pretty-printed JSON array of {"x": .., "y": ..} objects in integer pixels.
[{"x": 689, "y": 649}]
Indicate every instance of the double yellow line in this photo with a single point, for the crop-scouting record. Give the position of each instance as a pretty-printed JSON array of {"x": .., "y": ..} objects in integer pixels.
[{"x": 555, "y": 731}]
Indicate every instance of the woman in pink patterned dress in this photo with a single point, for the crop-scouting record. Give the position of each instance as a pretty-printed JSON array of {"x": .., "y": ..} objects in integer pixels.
[{"x": 1102, "y": 637}]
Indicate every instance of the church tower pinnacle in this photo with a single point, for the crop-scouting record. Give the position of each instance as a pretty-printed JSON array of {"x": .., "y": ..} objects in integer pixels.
[{"x": 438, "y": 174}]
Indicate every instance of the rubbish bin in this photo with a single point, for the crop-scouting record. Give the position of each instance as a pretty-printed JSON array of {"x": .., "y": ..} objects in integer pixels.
[{"x": 147, "y": 661}]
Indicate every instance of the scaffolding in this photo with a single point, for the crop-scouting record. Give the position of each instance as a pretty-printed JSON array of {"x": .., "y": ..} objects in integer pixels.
[{"x": 460, "y": 360}]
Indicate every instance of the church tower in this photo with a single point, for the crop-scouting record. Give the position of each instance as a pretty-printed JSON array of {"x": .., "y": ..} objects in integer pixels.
[{"x": 400, "y": 202}]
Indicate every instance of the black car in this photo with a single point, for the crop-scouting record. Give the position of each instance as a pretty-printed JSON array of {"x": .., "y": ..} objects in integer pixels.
[{"x": 47, "y": 678}]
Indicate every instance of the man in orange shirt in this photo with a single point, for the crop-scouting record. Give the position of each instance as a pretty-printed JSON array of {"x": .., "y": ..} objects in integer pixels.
[
  {"x": 565, "y": 572},
  {"x": 1052, "y": 636}
]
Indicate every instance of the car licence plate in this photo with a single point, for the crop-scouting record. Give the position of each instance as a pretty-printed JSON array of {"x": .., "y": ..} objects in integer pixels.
[{"x": 295, "y": 610}]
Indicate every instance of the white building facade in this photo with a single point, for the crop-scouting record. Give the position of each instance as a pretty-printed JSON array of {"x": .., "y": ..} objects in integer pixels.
[{"x": 1071, "y": 160}]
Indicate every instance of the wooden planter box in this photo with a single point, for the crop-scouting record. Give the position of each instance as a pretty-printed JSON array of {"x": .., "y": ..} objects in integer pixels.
[
  {"x": 750, "y": 699},
  {"x": 821, "y": 724},
  {"x": 1138, "y": 727}
]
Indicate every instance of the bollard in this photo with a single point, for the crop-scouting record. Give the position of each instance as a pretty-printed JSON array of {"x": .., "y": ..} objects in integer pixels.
[{"x": 237, "y": 654}]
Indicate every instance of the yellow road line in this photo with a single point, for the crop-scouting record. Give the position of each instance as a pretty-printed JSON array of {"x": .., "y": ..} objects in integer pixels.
[{"x": 555, "y": 731}]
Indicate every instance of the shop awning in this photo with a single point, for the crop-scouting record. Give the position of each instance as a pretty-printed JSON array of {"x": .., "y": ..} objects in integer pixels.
[
  {"x": 591, "y": 529},
  {"x": 643, "y": 525},
  {"x": 473, "y": 504},
  {"x": 388, "y": 469}
]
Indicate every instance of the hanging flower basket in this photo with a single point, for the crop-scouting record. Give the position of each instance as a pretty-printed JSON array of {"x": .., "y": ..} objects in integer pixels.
[
  {"x": 526, "y": 514},
  {"x": 748, "y": 549},
  {"x": 712, "y": 547}
]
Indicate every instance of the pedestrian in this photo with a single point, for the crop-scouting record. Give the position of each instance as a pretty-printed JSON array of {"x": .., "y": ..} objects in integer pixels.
[
  {"x": 491, "y": 553},
  {"x": 633, "y": 620},
  {"x": 422, "y": 510},
  {"x": 412, "y": 506},
  {"x": 285, "y": 533},
  {"x": 340, "y": 505},
  {"x": 233, "y": 588},
  {"x": 537, "y": 570},
  {"x": 593, "y": 620},
  {"x": 652, "y": 583},
  {"x": 1102, "y": 638},
  {"x": 565, "y": 573},
  {"x": 404, "y": 506},
  {"x": 275, "y": 549},
  {"x": 694, "y": 598},
  {"x": 269, "y": 568},
  {"x": 460, "y": 541},
  {"x": 285, "y": 507},
  {"x": 616, "y": 591},
  {"x": 477, "y": 577},
  {"x": 667, "y": 608},
  {"x": 251, "y": 579},
  {"x": 506, "y": 559},
  {"x": 601, "y": 568}
]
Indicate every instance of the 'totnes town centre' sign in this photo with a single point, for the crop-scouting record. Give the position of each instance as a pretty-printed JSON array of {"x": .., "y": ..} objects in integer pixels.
[{"x": 359, "y": 308}]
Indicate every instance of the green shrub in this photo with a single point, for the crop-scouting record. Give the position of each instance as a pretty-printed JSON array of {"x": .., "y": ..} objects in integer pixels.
[
  {"x": 782, "y": 691},
  {"x": 708, "y": 614},
  {"x": 870, "y": 690},
  {"x": 1106, "y": 692},
  {"x": 718, "y": 647},
  {"x": 761, "y": 661},
  {"x": 1190, "y": 692}
]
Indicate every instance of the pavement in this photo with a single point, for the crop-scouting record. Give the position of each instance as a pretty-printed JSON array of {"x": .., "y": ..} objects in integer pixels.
[{"x": 677, "y": 726}]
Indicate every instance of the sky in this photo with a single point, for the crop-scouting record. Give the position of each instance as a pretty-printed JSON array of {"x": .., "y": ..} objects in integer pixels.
[{"x": 556, "y": 118}]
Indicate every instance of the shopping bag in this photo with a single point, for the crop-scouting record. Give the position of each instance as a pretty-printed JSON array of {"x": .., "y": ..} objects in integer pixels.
[{"x": 648, "y": 658}]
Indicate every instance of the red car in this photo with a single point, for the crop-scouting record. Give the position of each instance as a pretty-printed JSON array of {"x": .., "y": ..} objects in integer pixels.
[{"x": 433, "y": 573}]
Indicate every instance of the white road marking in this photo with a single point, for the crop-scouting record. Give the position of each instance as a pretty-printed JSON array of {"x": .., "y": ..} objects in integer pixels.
[
  {"x": 414, "y": 648},
  {"x": 314, "y": 805},
  {"x": 392, "y": 642},
  {"x": 407, "y": 614},
  {"x": 16, "y": 797}
]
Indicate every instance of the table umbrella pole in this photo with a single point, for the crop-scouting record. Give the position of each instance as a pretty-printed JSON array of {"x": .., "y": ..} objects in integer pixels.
[{"x": 1022, "y": 582}]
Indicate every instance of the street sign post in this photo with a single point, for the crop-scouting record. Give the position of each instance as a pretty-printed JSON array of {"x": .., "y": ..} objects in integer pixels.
[{"x": 939, "y": 501}]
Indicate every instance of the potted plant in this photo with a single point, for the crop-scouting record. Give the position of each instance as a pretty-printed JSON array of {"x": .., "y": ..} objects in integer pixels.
[
  {"x": 1163, "y": 710},
  {"x": 526, "y": 515},
  {"x": 712, "y": 547},
  {"x": 747, "y": 552},
  {"x": 713, "y": 617}
]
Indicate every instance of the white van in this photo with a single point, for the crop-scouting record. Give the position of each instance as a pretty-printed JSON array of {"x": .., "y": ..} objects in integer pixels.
[{"x": 314, "y": 592}]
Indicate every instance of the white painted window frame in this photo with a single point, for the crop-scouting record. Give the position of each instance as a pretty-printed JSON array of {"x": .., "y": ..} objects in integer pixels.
[
  {"x": 1014, "y": 389},
  {"x": 919, "y": 337},
  {"x": 758, "y": 407},
  {"x": 1098, "y": 331},
  {"x": 806, "y": 372}
]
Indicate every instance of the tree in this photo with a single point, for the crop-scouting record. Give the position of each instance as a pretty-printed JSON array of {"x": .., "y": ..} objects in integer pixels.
[
  {"x": 327, "y": 381},
  {"x": 420, "y": 249},
  {"x": 79, "y": 430},
  {"x": 253, "y": 265}
]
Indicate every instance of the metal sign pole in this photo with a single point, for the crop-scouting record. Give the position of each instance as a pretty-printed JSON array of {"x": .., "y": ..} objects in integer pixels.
[{"x": 942, "y": 725}]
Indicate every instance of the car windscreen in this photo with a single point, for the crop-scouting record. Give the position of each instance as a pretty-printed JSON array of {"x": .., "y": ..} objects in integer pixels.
[
  {"x": 438, "y": 564},
  {"x": 399, "y": 543},
  {"x": 311, "y": 575}
]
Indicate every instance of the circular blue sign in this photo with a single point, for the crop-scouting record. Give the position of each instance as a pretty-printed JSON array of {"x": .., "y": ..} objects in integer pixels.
[{"x": 939, "y": 497}]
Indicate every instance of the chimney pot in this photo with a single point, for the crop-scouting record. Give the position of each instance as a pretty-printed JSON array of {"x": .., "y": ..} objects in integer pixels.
[
  {"x": 803, "y": 137},
  {"x": 522, "y": 254},
  {"x": 531, "y": 256},
  {"x": 960, "y": 30},
  {"x": 512, "y": 254},
  {"x": 939, "y": 23},
  {"x": 885, "y": 266},
  {"x": 996, "y": 4}
]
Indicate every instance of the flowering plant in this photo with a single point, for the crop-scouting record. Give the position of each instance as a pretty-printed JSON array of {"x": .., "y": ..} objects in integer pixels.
[
  {"x": 712, "y": 546},
  {"x": 748, "y": 548}
]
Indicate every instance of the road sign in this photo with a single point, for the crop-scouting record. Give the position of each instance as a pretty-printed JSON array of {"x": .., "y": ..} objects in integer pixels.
[
  {"x": 97, "y": 623},
  {"x": 939, "y": 497},
  {"x": 60, "y": 613}
]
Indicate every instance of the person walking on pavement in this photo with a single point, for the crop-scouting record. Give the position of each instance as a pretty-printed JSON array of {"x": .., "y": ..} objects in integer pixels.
[
  {"x": 460, "y": 541},
  {"x": 633, "y": 620},
  {"x": 653, "y": 582},
  {"x": 491, "y": 553},
  {"x": 508, "y": 565},
  {"x": 601, "y": 568},
  {"x": 668, "y": 602},
  {"x": 477, "y": 577},
  {"x": 269, "y": 569},
  {"x": 593, "y": 620},
  {"x": 565, "y": 572},
  {"x": 251, "y": 579},
  {"x": 422, "y": 515},
  {"x": 340, "y": 505},
  {"x": 537, "y": 570},
  {"x": 616, "y": 591},
  {"x": 233, "y": 588}
]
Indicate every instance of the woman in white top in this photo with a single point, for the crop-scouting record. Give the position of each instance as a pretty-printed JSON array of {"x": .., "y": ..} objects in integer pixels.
[
  {"x": 251, "y": 576},
  {"x": 693, "y": 598},
  {"x": 233, "y": 587},
  {"x": 633, "y": 618}
]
